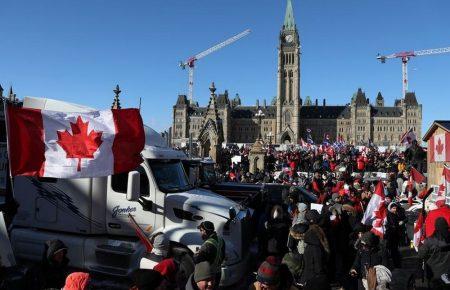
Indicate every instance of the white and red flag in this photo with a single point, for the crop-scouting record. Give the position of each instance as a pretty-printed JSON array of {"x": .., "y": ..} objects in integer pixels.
[
  {"x": 408, "y": 138},
  {"x": 74, "y": 145},
  {"x": 444, "y": 187},
  {"x": 439, "y": 147},
  {"x": 419, "y": 234},
  {"x": 417, "y": 176},
  {"x": 376, "y": 211}
]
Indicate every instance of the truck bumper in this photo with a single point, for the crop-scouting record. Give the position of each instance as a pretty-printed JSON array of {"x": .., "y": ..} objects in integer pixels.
[{"x": 234, "y": 273}]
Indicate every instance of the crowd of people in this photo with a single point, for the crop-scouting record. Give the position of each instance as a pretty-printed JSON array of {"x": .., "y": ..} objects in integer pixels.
[{"x": 301, "y": 244}]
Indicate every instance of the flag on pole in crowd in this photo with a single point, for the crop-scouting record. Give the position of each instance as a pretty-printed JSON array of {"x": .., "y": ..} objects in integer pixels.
[
  {"x": 309, "y": 139},
  {"x": 375, "y": 214},
  {"x": 141, "y": 234},
  {"x": 416, "y": 176},
  {"x": 439, "y": 146},
  {"x": 444, "y": 187},
  {"x": 408, "y": 138},
  {"x": 74, "y": 145},
  {"x": 419, "y": 234}
]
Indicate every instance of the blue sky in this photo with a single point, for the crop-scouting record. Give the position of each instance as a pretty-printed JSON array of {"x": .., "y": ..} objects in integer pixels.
[{"x": 79, "y": 50}]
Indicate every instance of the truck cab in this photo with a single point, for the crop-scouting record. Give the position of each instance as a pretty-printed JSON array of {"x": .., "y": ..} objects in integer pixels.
[{"x": 91, "y": 216}]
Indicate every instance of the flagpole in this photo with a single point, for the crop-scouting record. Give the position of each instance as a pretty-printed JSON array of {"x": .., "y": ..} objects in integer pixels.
[{"x": 6, "y": 116}]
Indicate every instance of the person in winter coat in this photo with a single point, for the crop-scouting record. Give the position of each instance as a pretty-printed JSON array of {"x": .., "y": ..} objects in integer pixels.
[
  {"x": 296, "y": 244},
  {"x": 77, "y": 281},
  {"x": 369, "y": 255},
  {"x": 276, "y": 232},
  {"x": 436, "y": 253},
  {"x": 212, "y": 250},
  {"x": 272, "y": 275},
  {"x": 395, "y": 226},
  {"x": 316, "y": 254},
  {"x": 53, "y": 268}
]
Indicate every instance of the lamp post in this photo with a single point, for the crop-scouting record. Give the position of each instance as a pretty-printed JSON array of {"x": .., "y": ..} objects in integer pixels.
[
  {"x": 270, "y": 137},
  {"x": 259, "y": 115}
]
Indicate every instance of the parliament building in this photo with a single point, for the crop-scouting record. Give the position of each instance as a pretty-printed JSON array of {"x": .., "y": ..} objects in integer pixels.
[{"x": 286, "y": 118}]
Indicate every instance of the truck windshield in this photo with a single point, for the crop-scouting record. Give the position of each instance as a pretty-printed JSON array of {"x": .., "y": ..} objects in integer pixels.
[
  {"x": 209, "y": 174},
  {"x": 169, "y": 175}
]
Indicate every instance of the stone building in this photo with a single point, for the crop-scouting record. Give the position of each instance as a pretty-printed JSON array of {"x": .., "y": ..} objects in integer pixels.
[{"x": 287, "y": 116}]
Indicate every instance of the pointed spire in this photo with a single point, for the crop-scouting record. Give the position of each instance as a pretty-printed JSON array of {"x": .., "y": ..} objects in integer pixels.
[
  {"x": 11, "y": 95},
  {"x": 1, "y": 91},
  {"x": 116, "y": 103},
  {"x": 289, "y": 22}
]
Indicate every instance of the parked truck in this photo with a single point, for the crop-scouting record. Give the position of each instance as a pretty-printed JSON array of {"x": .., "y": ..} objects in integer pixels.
[{"x": 91, "y": 216}]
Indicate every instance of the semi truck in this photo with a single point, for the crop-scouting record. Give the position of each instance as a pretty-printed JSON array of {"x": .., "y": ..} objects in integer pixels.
[{"x": 91, "y": 216}]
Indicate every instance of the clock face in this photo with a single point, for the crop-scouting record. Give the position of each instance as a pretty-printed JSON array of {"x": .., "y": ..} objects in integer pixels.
[{"x": 289, "y": 38}]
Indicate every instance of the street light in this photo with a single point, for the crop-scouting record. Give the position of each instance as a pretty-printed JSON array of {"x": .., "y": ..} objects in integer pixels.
[
  {"x": 270, "y": 137},
  {"x": 259, "y": 115}
]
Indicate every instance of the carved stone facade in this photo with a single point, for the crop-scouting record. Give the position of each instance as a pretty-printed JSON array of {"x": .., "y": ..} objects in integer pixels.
[{"x": 287, "y": 118}]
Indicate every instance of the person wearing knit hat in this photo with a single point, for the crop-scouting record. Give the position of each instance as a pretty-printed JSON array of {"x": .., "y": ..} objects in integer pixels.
[
  {"x": 77, "y": 281},
  {"x": 161, "y": 245},
  {"x": 268, "y": 277},
  {"x": 212, "y": 250},
  {"x": 160, "y": 251},
  {"x": 203, "y": 277},
  {"x": 312, "y": 216}
]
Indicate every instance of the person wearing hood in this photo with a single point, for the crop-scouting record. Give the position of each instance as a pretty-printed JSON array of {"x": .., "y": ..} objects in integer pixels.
[
  {"x": 316, "y": 252},
  {"x": 160, "y": 251},
  {"x": 296, "y": 245},
  {"x": 77, "y": 281},
  {"x": 53, "y": 268},
  {"x": 369, "y": 255},
  {"x": 299, "y": 215},
  {"x": 276, "y": 232},
  {"x": 435, "y": 251}
]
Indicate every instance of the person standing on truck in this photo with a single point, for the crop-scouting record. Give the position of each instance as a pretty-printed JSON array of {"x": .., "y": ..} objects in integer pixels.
[{"x": 212, "y": 250}]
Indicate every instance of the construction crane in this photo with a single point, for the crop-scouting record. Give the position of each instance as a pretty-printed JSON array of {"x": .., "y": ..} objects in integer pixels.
[
  {"x": 190, "y": 62},
  {"x": 405, "y": 56}
]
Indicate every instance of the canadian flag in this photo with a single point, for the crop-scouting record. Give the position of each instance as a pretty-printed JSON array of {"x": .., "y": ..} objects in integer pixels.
[
  {"x": 439, "y": 146},
  {"x": 74, "y": 145},
  {"x": 419, "y": 235},
  {"x": 408, "y": 138},
  {"x": 444, "y": 187},
  {"x": 376, "y": 211}
]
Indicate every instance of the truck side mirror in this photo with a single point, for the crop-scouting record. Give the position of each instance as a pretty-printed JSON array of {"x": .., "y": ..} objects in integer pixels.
[
  {"x": 232, "y": 213},
  {"x": 133, "y": 185}
]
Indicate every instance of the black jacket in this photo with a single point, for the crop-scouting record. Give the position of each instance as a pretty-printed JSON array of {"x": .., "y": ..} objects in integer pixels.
[
  {"x": 53, "y": 275},
  {"x": 366, "y": 258},
  {"x": 315, "y": 256},
  {"x": 436, "y": 254}
]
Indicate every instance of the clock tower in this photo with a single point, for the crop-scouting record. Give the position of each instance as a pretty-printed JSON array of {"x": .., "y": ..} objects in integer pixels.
[{"x": 288, "y": 89}]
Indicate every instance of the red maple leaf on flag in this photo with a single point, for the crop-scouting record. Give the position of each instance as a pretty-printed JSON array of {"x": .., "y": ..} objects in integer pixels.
[
  {"x": 439, "y": 147},
  {"x": 79, "y": 144}
]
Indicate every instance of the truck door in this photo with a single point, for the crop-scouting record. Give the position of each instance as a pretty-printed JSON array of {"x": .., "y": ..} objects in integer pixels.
[{"x": 117, "y": 219}]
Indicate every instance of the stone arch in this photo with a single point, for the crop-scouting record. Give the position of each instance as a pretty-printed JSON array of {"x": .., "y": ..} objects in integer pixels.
[{"x": 286, "y": 138}]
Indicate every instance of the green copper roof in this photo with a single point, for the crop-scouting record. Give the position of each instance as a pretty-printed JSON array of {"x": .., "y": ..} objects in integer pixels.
[{"x": 289, "y": 22}]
